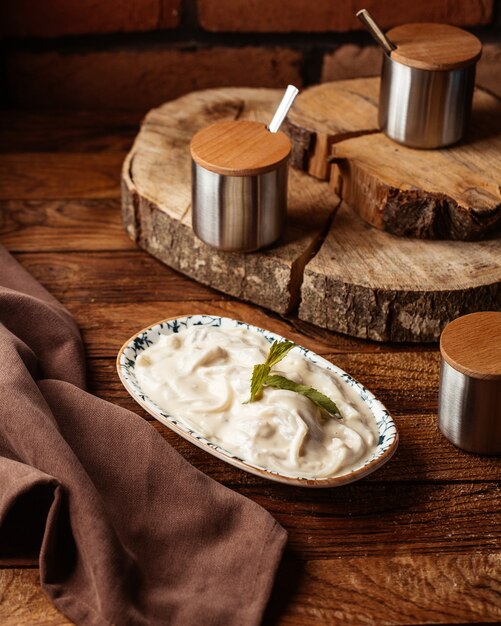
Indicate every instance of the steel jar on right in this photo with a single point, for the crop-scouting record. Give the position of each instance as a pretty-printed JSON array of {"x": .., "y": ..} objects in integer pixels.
[
  {"x": 427, "y": 85},
  {"x": 469, "y": 403}
]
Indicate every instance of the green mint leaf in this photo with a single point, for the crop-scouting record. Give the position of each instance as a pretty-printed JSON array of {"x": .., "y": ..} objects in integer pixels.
[
  {"x": 318, "y": 398},
  {"x": 259, "y": 374},
  {"x": 278, "y": 351},
  {"x": 261, "y": 377}
]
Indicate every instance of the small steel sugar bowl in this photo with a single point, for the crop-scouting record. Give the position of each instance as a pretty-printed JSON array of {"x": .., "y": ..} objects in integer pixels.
[
  {"x": 239, "y": 185},
  {"x": 427, "y": 84},
  {"x": 469, "y": 406}
]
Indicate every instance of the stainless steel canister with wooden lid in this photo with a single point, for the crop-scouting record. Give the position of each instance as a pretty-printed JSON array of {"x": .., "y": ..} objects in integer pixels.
[
  {"x": 427, "y": 84},
  {"x": 469, "y": 405},
  {"x": 239, "y": 185}
]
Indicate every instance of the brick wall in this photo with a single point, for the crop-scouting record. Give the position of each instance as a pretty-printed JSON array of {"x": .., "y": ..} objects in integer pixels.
[{"x": 138, "y": 53}]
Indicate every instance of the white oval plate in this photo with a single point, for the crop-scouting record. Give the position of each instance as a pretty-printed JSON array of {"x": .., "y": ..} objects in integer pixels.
[{"x": 126, "y": 361}]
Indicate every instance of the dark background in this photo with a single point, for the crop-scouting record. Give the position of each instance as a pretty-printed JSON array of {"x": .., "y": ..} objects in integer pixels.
[{"x": 135, "y": 54}]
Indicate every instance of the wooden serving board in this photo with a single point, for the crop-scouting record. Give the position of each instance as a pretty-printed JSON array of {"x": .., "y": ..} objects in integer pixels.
[
  {"x": 452, "y": 193},
  {"x": 369, "y": 283},
  {"x": 332, "y": 267}
]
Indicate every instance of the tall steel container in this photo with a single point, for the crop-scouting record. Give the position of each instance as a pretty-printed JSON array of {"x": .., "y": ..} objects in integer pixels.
[
  {"x": 427, "y": 84},
  {"x": 469, "y": 403},
  {"x": 239, "y": 185}
]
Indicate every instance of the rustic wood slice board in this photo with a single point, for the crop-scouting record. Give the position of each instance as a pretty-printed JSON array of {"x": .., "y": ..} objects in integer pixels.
[
  {"x": 156, "y": 202},
  {"x": 453, "y": 193},
  {"x": 357, "y": 280},
  {"x": 369, "y": 283}
]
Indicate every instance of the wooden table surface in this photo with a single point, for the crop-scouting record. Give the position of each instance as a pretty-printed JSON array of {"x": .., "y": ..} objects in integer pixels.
[{"x": 418, "y": 542}]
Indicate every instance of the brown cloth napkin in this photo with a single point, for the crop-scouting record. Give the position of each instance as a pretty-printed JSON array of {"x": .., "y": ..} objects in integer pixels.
[{"x": 130, "y": 532}]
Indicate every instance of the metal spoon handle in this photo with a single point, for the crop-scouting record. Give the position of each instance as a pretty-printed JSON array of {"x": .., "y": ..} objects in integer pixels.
[
  {"x": 283, "y": 108},
  {"x": 365, "y": 17}
]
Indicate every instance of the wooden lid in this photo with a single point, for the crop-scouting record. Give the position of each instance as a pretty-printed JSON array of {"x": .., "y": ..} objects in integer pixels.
[
  {"x": 434, "y": 46},
  {"x": 239, "y": 148},
  {"x": 472, "y": 345}
]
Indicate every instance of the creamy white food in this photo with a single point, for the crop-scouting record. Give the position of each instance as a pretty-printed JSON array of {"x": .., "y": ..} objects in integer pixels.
[{"x": 201, "y": 376}]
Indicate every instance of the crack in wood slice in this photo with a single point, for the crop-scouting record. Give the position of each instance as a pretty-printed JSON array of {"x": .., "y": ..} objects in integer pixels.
[
  {"x": 452, "y": 193},
  {"x": 371, "y": 284},
  {"x": 156, "y": 202}
]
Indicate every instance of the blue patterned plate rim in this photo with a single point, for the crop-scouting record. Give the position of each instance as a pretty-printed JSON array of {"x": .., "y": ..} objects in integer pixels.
[{"x": 388, "y": 434}]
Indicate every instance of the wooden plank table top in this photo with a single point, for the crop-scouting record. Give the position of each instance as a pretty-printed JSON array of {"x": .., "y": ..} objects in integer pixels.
[{"x": 418, "y": 542}]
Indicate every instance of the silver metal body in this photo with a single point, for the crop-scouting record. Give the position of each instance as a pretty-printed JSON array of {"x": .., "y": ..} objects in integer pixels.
[
  {"x": 424, "y": 108},
  {"x": 469, "y": 411},
  {"x": 239, "y": 213}
]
